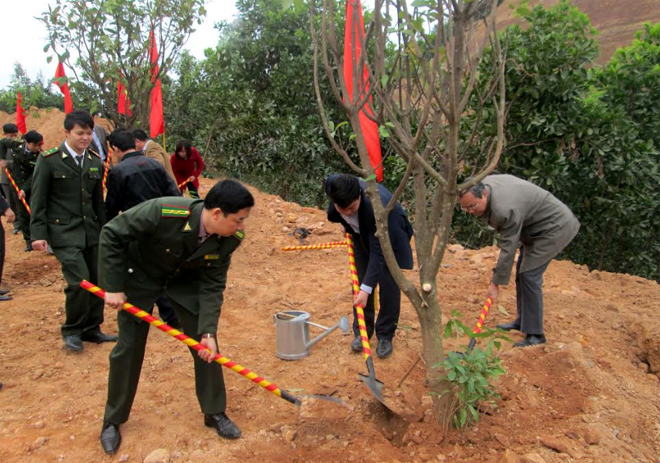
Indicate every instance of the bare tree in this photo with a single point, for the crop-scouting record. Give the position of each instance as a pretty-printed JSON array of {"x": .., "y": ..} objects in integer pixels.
[{"x": 420, "y": 91}]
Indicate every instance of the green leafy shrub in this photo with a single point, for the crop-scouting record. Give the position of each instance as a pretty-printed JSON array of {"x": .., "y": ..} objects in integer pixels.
[{"x": 472, "y": 372}]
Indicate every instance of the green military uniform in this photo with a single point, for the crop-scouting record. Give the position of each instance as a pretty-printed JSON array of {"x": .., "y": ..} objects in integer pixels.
[
  {"x": 7, "y": 148},
  {"x": 21, "y": 170},
  {"x": 154, "y": 248},
  {"x": 68, "y": 212}
]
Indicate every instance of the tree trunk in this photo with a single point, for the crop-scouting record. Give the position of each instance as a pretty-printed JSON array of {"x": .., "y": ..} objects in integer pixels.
[{"x": 430, "y": 319}]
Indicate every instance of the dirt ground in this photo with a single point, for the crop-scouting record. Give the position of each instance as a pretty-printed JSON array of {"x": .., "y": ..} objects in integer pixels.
[{"x": 592, "y": 394}]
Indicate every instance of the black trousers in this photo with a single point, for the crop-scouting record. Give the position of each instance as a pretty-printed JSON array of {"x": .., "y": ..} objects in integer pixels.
[
  {"x": 389, "y": 297},
  {"x": 529, "y": 297},
  {"x": 192, "y": 190}
]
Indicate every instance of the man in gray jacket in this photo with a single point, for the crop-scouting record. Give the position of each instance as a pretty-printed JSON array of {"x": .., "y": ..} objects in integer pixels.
[{"x": 524, "y": 213}]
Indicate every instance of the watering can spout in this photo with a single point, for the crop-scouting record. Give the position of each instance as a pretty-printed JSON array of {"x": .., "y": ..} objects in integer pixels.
[{"x": 343, "y": 325}]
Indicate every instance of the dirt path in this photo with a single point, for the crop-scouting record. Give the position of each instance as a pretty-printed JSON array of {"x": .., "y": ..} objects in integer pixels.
[{"x": 586, "y": 396}]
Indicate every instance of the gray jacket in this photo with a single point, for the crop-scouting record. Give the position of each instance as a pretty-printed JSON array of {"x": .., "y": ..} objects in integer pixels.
[{"x": 525, "y": 213}]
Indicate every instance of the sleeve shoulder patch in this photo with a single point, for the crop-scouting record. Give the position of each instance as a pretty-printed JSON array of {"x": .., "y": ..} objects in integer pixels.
[
  {"x": 239, "y": 235},
  {"x": 171, "y": 210},
  {"x": 50, "y": 152}
]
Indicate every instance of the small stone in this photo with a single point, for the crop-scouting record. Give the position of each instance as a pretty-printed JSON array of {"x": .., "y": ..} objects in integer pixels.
[
  {"x": 509, "y": 456},
  {"x": 291, "y": 218},
  {"x": 286, "y": 229},
  {"x": 158, "y": 456},
  {"x": 39, "y": 425},
  {"x": 591, "y": 437},
  {"x": 532, "y": 458},
  {"x": 38, "y": 443},
  {"x": 123, "y": 458},
  {"x": 289, "y": 434},
  {"x": 555, "y": 444},
  {"x": 37, "y": 374},
  {"x": 502, "y": 439},
  {"x": 427, "y": 401}
]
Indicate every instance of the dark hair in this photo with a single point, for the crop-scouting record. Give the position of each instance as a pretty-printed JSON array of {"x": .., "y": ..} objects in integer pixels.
[
  {"x": 477, "y": 191},
  {"x": 184, "y": 145},
  {"x": 33, "y": 137},
  {"x": 344, "y": 189},
  {"x": 230, "y": 196},
  {"x": 122, "y": 139},
  {"x": 78, "y": 117},
  {"x": 10, "y": 128},
  {"x": 140, "y": 134}
]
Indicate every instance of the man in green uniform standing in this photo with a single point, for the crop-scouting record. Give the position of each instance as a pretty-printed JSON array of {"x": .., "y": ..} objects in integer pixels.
[
  {"x": 22, "y": 169},
  {"x": 11, "y": 141},
  {"x": 182, "y": 247},
  {"x": 68, "y": 213}
]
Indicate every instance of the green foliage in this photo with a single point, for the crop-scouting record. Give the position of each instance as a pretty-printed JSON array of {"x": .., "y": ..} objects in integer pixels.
[
  {"x": 471, "y": 373},
  {"x": 252, "y": 102},
  {"x": 106, "y": 41},
  {"x": 34, "y": 93},
  {"x": 587, "y": 135}
]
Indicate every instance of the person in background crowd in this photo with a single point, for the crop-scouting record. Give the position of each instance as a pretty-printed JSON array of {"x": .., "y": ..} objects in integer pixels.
[
  {"x": 153, "y": 150},
  {"x": 11, "y": 140},
  {"x": 187, "y": 165},
  {"x": 135, "y": 179},
  {"x": 25, "y": 159}
]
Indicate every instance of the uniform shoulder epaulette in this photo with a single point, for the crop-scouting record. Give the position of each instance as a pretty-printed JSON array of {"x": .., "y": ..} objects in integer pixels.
[
  {"x": 239, "y": 235},
  {"x": 94, "y": 153},
  {"x": 171, "y": 210},
  {"x": 50, "y": 152}
]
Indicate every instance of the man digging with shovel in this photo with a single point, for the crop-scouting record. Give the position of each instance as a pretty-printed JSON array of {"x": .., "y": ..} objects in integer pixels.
[
  {"x": 351, "y": 207},
  {"x": 182, "y": 247},
  {"x": 522, "y": 213}
]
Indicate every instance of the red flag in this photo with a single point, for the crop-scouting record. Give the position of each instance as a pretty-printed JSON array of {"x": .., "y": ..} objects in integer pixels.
[
  {"x": 351, "y": 60},
  {"x": 60, "y": 81},
  {"x": 156, "y": 118},
  {"x": 20, "y": 114},
  {"x": 123, "y": 102}
]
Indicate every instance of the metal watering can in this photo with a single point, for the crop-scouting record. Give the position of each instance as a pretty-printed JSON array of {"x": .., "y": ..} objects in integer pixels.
[{"x": 292, "y": 329}]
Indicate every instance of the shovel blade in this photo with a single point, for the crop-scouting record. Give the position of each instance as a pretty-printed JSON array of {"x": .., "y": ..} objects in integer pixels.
[{"x": 374, "y": 385}]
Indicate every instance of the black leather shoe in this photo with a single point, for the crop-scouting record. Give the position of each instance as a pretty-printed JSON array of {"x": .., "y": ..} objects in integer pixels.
[
  {"x": 514, "y": 325},
  {"x": 3, "y": 292},
  {"x": 384, "y": 348},
  {"x": 5, "y": 298},
  {"x": 28, "y": 247},
  {"x": 73, "y": 343},
  {"x": 98, "y": 337},
  {"x": 16, "y": 231},
  {"x": 530, "y": 340},
  {"x": 356, "y": 344},
  {"x": 223, "y": 426},
  {"x": 110, "y": 438}
]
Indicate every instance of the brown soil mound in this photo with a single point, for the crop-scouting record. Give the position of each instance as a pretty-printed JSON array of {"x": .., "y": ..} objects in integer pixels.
[
  {"x": 48, "y": 122},
  {"x": 591, "y": 394}
]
